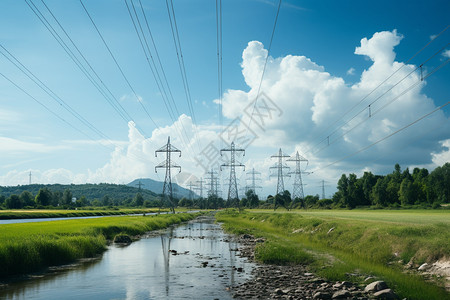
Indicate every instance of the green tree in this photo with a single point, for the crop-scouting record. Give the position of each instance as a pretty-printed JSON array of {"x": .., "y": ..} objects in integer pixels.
[
  {"x": 311, "y": 201},
  {"x": 57, "y": 199},
  {"x": 106, "y": 200},
  {"x": 368, "y": 181},
  {"x": 138, "y": 200},
  {"x": 408, "y": 192},
  {"x": 13, "y": 202},
  {"x": 81, "y": 202},
  {"x": 43, "y": 197},
  {"x": 253, "y": 199},
  {"x": 67, "y": 197},
  {"x": 287, "y": 200},
  {"x": 379, "y": 193},
  {"x": 341, "y": 196},
  {"x": 354, "y": 192},
  {"x": 244, "y": 202},
  {"x": 27, "y": 199},
  {"x": 2, "y": 199}
]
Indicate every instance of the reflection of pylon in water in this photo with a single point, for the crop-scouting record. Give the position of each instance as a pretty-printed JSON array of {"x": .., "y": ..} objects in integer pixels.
[
  {"x": 168, "y": 149},
  {"x": 233, "y": 190},
  {"x": 280, "y": 167},
  {"x": 297, "y": 191}
]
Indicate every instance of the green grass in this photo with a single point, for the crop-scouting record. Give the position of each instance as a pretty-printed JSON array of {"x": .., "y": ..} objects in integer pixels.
[
  {"x": 361, "y": 242},
  {"x": 28, "y": 247},
  {"x": 60, "y": 213}
]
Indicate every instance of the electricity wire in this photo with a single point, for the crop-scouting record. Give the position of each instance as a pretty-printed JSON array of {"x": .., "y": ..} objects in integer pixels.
[
  {"x": 179, "y": 52},
  {"x": 378, "y": 86},
  {"x": 118, "y": 66},
  {"x": 382, "y": 139},
  {"x": 264, "y": 68},
  {"x": 155, "y": 72},
  {"x": 380, "y": 96}
]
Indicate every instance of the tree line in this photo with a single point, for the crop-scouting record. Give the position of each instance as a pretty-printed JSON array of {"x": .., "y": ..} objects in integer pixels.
[
  {"x": 399, "y": 188},
  {"x": 47, "y": 198}
]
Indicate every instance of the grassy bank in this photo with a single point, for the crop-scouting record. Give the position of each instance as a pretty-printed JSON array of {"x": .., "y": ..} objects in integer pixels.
[
  {"x": 28, "y": 247},
  {"x": 338, "y": 243},
  {"x": 60, "y": 213}
]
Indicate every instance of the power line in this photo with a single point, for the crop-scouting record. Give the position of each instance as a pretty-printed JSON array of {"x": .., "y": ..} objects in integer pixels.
[
  {"x": 382, "y": 139},
  {"x": 219, "y": 58},
  {"x": 113, "y": 102},
  {"x": 380, "y": 84},
  {"x": 265, "y": 64},
  {"x": 179, "y": 52},
  {"x": 118, "y": 66},
  {"x": 371, "y": 114},
  {"x": 154, "y": 69},
  {"x": 49, "y": 92},
  {"x": 45, "y": 107}
]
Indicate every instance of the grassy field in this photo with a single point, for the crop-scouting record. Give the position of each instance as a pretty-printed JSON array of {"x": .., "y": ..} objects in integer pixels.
[
  {"x": 28, "y": 247},
  {"x": 60, "y": 213},
  {"x": 336, "y": 243}
]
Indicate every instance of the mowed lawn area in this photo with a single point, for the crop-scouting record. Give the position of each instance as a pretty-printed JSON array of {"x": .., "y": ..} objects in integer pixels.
[{"x": 336, "y": 243}]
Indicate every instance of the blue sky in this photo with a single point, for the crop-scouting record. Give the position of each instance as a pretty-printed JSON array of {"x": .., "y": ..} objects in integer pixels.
[{"x": 313, "y": 75}]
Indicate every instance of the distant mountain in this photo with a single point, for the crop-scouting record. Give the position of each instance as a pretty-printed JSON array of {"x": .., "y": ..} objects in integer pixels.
[{"x": 157, "y": 187}]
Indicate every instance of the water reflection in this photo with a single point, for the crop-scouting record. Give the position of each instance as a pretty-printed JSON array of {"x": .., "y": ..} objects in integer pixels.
[{"x": 194, "y": 260}]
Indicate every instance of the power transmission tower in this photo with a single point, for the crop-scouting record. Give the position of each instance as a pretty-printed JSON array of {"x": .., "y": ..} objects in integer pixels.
[
  {"x": 297, "y": 191},
  {"x": 190, "y": 190},
  {"x": 200, "y": 186},
  {"x": 212, "y": 184},
  {"x": 254, "y": 179},
  {"x": 279, "y": 166},
  {"x": 323, "y": 185},
  {"x": 139, "y": 185},
  {"x": 30, "y": 178},
  {"x": 168, "y": 149},
  {"x": 233, "y": 190}
]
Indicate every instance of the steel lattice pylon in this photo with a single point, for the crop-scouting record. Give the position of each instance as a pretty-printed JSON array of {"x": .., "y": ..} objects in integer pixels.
[
  {"x": 297, "y": 191},
  {"x": 253, "y": 179},
  {"x": 213, "y": 183},
  {"x": 280, "y": 167},
  {"x": 168, "y": 149},
  {"x": 233, "y": 190}
]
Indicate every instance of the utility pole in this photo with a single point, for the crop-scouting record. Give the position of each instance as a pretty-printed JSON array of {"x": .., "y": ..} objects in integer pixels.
[
  {"x": 233, "y": 190},
  {"x": 168, "y": 149},
  {"x": 280, "y": 167},
  {"x": 253, "y": 179},
  {"x": 297, "y": 191}
]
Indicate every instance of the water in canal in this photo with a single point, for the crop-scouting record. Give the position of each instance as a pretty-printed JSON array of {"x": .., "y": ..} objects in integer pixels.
[{"x": 204, "y": 266}]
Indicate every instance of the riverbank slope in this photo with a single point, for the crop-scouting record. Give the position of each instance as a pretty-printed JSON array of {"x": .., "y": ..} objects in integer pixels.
[
  {"x": 352, "y": 245},
  {"x": 29, "y": 247}
]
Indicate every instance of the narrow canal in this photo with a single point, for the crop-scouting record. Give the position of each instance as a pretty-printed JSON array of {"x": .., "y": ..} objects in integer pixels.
[{"x": 194, "y": 260}]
